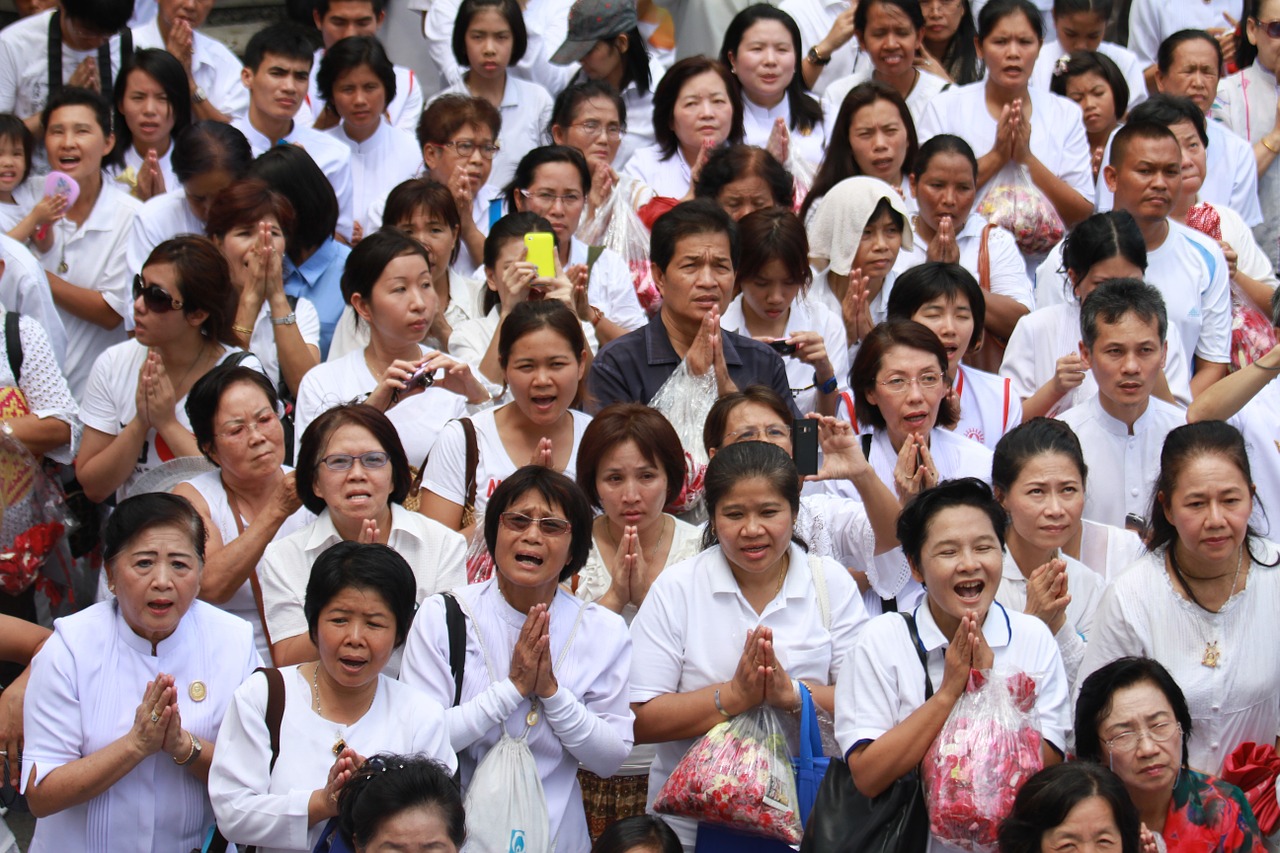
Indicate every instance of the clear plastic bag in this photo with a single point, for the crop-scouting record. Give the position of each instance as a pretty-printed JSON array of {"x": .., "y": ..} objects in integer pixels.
[
  {"x": 617, "y": 226},
  {"x": 506, "y": 806},
  {"x": 684, "y": 400},
  {"x": 803, "y": 172},
  {"x": 989, "y": 746},
  {"x": 33, "y": 523},
  {"x": 1018, "y": 206},
  {"x": 738, "y": 775}
]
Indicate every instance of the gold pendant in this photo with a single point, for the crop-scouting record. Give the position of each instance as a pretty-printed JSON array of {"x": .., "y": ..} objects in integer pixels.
[
  {"x": 531, "y": 718},
  {"x": 62, "y": 267},
  {"x": 1212, "y": 655},
  {"x": 197, "y": 691},
  {"x": 338, "y": 746}
]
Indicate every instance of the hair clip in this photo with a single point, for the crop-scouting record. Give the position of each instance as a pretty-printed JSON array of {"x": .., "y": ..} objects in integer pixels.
[{"x": 1060, "y": 67}]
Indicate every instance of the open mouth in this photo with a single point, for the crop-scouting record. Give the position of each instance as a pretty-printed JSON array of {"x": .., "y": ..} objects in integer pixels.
[
  {"x": 359, "y": 497},
  {"x": 544, "y": 401},
  {"x": 531, "y": 561},
  {"x": 160, "y": 606},
  {"x": 68, "y": 162},
  {"x": 915, "y": 420},
  {"x": 352, "y": 664},
  {"x": 755, "y": 552},
  {"x": 970, "y": 591}
]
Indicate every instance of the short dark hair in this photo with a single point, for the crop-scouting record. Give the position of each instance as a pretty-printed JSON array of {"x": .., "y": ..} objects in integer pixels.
[
  {"x": 574, "y": 96},
  {"x": 910, "y": 8},
  {"x": 316, "y": 438},
  {"x": 726, "y": 165},
  {"x": 652, "y": 434},
  {"x": 774, "y": 234},
  {"x": 207, "y": 146},
  {"x": 1101, "y": 237},
  {"x": 448, "y": 114},
  {"x": 387, "y": 785},
  {"x": 369, "y": 259},
  {"x": 532, "y": 316},
  {"x": 866, "y": 364},
  {"x": 1168, "y": 110},
  {"x": 942, "y": 143},
  {"x": 647, "y": 832},
  {"x": 667, "y": 94},
  {"x": 74, "y": 96},
  {"x": 806, "y": 113},
  {"x": 365, "y": 566},
  {"x": 1081, "y": 62},
  {"x": 1028, "y": 440},
  {"x": 206, "y": 394},
  {"x": 916, "y": 516},
  {"x": 136, "y": 515},
  {"x": 1112, "y": 300},
  {"x": 101, "y": 16},
  {"x": 508, "y": 9},
  {"x": 689, "y": 219},
  {"x": 416, "y": 194},
  {"x": 285, "y": 39},
  {"x": 1096, "y": 692},
  {"x": 997, "y": 10},
  {"x": 717, "y": 421},
  {"x": 1169, "y": 47},
  {"x": 557, "y": 490},
  {"x": 349, "y": 54},
  {"x": 289, "y": 170},
  {"x": 932, "y": 280},
  {"x": 1133, "y": 131},
  {"x": 749, "y": 460},
  {"x": 322, "y": 7},
  {"x": 247, "y": 202},
  {"x": 527, "y": 169},
  {"x": 161, "y": 66},
  {"x": 16, "y": 132},
  {"x": 204, "y": 283},
  {"x": 1046, "y": 799}
]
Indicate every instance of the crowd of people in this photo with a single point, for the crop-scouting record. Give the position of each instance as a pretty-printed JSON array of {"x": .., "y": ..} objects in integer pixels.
[{"x": 383, "y": 454}]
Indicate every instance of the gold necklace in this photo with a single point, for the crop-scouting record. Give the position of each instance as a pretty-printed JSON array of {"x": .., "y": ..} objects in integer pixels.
[
  {"x": 1212, "y": 656},
  {"x": 782, "y": 576},
  {"x": 339, "y": 743}
]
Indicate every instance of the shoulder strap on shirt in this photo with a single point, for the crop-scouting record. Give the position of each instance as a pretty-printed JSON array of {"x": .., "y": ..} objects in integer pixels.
[
  {"x": 920, "y": 653},
  {"x": 13, "y": 345},
  {"x": 275, "y": 709},
  {"x": 456, "y": 621},
  {"x": 104, "y": 55}
]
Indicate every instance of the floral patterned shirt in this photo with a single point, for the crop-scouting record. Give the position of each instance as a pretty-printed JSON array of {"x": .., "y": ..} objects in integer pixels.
[{"x": 1208, "y": 815}]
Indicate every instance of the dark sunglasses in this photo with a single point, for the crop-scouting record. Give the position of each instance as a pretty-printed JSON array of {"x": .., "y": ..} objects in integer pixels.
[
  {"x": 1271, "y": 28},
  {"x": 155, "y": 297}
]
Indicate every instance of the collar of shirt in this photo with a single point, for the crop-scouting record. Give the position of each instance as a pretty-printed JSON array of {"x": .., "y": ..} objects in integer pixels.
[
  {"x": 104, "y": 214},
  {"x": 658, "y": 348},
  {"x": 370, "y": 145},
  {"x": 972, "y": 226},
  {"x": 796, "y": 584},
  {"x": 313, "y": 267},
  {"x": 765, "y": 115},
  {"x": 142, "y": 645},
  {"x": 996, "y": 629},
  {"x": 324, "y": 535},
  {"x": 1118, "y": 427}
]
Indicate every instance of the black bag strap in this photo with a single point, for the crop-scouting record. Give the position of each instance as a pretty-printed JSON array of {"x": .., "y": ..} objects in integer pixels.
[
  {"x": 13, "y": 345},
  {"x": 104, "y": 55},
  {"x": 920, "y": 653},
  {"x": 456, "y": 622},
  {"x": 866, "y": 446},
  {"x": 275, "y": 709}
]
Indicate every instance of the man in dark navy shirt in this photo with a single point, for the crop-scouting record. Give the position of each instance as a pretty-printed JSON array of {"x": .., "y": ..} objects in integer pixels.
[{"x": 693, "y": 254}]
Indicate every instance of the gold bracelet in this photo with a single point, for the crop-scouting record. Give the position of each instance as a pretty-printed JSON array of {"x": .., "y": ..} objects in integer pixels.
[
  {"x": 195, "y": 750},
  {"x": 1270, "y": 148},
  {"x": 241, "y": 330}
]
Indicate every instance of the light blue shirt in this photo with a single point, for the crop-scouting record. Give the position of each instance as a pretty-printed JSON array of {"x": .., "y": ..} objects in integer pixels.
[{"x": 319, "y": 279}]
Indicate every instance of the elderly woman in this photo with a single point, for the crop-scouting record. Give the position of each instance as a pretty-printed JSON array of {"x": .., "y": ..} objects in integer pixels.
[
  {"x": 276, "y": 792},
  {"x": 1132, "y": 716},
  {"x": 126, "y": 698},
  {"x": 801, "y": 614},
  {"x": 520, "y": 622},
  {"x": 353, "y": 474},
  {"x": 251, "y": 500}
]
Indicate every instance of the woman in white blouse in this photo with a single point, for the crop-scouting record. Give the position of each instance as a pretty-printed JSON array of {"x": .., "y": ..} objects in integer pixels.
[
  {"x": 125, "y": 700},
  {"x": 276, "y": 790},
  {"x": 539, "y": 663},
  {"x": 152, "y": 106},
  {"x": 762, "y": 49},
  {"x": 1203, "y": 600},
  {"x": 744, "y": 622}
]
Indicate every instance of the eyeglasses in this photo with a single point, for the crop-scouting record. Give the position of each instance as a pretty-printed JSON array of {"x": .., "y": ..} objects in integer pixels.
[
  {"x": 1159, "y": 733},
  {"x": 775, "y": 432},
  {"x": 593, "y": 128},
  {"x": 1271, "y": 28},
  {"x": 344, "y": 461},
  {"x": 465, "y": 148},
  {"x": 550, "y": 198},
  {"x": 155, "y": 297},
  {"x": 518, "y": 522},
  {"x": 900, "y": 384},
  {"x": 241, "y": 430}
]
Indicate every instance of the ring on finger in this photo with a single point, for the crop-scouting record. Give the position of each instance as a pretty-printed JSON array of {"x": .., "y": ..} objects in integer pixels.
[{"x": 155, "y": 718}]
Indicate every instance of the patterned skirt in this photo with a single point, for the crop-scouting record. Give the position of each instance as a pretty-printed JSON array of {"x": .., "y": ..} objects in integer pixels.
[{"x": 608, "y": 801}]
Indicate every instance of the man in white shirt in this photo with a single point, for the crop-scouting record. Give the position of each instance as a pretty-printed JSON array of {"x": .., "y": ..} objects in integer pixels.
[
  {"x": 213, "y": 72},
  {"x": 339, "y": 19},
  {"x": 1145, "y": 174},
  {"x": 276, "y": 73},
  {"x": 1122, "y": 341},
  {"x": 1153, "y": 21}
]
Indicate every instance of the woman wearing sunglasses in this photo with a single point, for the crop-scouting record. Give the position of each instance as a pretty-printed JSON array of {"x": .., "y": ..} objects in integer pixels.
[
  {"x": 134, "y": 405},
  {"x": 353, "y": 474},
  {"x": 563, "y": 663}
]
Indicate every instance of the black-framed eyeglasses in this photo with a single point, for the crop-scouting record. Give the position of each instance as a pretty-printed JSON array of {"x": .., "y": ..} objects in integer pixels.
[
  {"x": 465, "y": 148},
  {"x": 1271, "y": 28},
  {"x": 518, "y": 522},
  {"x": 345, "y": 461},
  {"x": 156, "y": 298}
]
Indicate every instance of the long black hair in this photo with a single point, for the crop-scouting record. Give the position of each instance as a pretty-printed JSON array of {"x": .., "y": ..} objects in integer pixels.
[{"x": 806, "y": 113}]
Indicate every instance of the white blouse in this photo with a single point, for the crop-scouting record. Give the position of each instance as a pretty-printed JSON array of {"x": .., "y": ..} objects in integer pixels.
[
  {"x": 1246, "y": 105},
  {"x": 464, "y": 304},
  {"x": 1007, "y": 268},
  {"x": 758, "y": 121},
  {"x": 378, "y": 165},
  {"x": 953, "y": 454},
  {"x": 269, "y": 808},
  {"x": 669, "y": 177},
  {"x": 1236, "y": 700},
  {"x": 926, "y": 87},
  {"x": 989, "y": 408},
  {"x": 594, "y": 579},
  {"x": 85, "y": 687}
]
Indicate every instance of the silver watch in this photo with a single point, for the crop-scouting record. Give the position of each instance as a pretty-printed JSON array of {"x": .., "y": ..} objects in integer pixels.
[
  {"x": 199, "y": 96},
  {"x": 289, "y": 319}
]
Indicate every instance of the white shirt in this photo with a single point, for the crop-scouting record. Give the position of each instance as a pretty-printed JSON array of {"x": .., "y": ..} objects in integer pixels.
[
  {"x": 804, "y": 316},
  {"x": 1236, "y": 701},
  {"x": 433, "y": 551},
  {"x": 404, "y": 110},
  {"x": 1108, "y": 550},
  {"x": 1052, "y": 331},
  {"x": 85, "y": 687},
  {"x": 639, "y": 114},
  {"x": 758, "y": 121},
  {"x": 1153, "y": 21},
  {"x": 333, "y": 158},
  {"x": 464, "y": 304},
  {"x": 1131, "y": 68},
  {"x": 594, "y": 578},
  {"x": 1057, "y": 133},
  {"x": 262, "y": 342},
  {"x": 109, "y": 403},
  {"x": 689, "y": 631},
  {"x": 1122, "y": 467},
  {"x": 25, "y": 288},
  {"x": 1257, "y": 421},
  {"x": 133, "y": 161},
  {"x": 815, "y": 19},
  {"x": 526, "y": 115},
  {"x": 586, "y": 721},
  {"x": 242, "y": 602},
  {"x": 160, "y": 218},
  {"x": 1007, "y": 267},
  {"x": 669, "y": 178},
  {"x": 213, "y": 66},
  {"x": 446, "y": 473},
  {"x": 953, "y": 454},
  {"x": 546, "y": 23},
  {"x": 1246, "y": 104},
  {"x": 989, "y": 408},
  {"x": 95, "y": 259},
  {"x": 379, "y": 164},
  {"x": 1085, "y": 586},
  {"x": 885, "y": 683},
  {"x": 418, "y": 419},
  {"x": 926, "y": 87},
  {"x": 43, "y": 385},
  {"x": 255, "y": 806}
]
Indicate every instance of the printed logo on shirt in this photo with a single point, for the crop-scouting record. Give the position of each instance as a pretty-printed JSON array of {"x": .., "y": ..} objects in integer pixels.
[
  {"x": 1194, "y": 312},
  {"x": 976, "y": 434}
]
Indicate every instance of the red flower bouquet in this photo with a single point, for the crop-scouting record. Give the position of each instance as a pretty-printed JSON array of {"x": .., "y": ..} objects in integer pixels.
[{"x": 1022, "y": 209}]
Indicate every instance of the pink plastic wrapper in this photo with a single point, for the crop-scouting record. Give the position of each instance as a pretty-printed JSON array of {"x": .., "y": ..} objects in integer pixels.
[
  {"x": 989, "y": 746},
  {"x": 1020, "y": 208}
]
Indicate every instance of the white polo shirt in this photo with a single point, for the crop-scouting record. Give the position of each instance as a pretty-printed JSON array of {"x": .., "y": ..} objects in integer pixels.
[
  {"x": 379, "y": 164},
  {"x": 1008, "y": 269},
  {"x": 989, "y": 408},
  {"x": 160, "y": 218},
  {"x": 404, "y": 110},
  {"x": 815, "y": 18},
  {"x": 1126, "y": 60},
  {"x": 926, "y": 87},
  {"x": 333, "y": 158},
  {"x": 526, "y": 115},
  {"x": 1153, "y": 21},
  {"x": 1122, "y": 467},
  {"x": 547, "y": 25},
  {"x": 689, "y": 631},
  {"x": 758, "y": 121},
  {"x": 214, "y": 67}
]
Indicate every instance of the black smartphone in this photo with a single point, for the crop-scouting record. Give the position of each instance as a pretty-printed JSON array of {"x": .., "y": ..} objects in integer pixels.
[
  {"x": 804, "y": 446},
  {"x": 783, "y": 347}
]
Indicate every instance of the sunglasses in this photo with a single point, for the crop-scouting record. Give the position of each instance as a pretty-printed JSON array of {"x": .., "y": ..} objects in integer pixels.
[
  {"x": 1271, "y": 28},
  {"x": 518, "y": 522},
  {"x": 155, "y": 297}
]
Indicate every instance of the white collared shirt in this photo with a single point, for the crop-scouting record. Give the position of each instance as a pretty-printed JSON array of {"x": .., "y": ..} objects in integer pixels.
[
  {"x": 404, "y": 110},
  {"x": 758, "y": 122},
  {"x": 988, "y": 406},
  {"x": 333, "y": 158},
  {"x": 480, "y": 215},
  {"x": 379, "y": 164},
  {"x": 1153, "y": 21},
  {"x": 688, "y": 635},
  {"x": 815, "y": 19},
  {"x": 133, "y": 161},
  {"x": 1008, "y": 269},
  {"x": 1246, "y": 105},
  {"x": 611, "y": 288},
  {"x": 953, "y": 454},
  {"x": 434, "y": 552},
  {"x": 1257, "y": 421},
  {"x": 546, "y": 23},
  {"x": 927, "y": 86},
  {"x": 214, "y": 67},
  {"x": 160, "y": 218},
  {"x": 669, "y": 177},
  {"x": 526, "y": 115},
  {"x": 1122, "y": 467}
]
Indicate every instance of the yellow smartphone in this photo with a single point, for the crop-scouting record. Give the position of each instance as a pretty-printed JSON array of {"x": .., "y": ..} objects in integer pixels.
[{"x": 540, "y": 249}]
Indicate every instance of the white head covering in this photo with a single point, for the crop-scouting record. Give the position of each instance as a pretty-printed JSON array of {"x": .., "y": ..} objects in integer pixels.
[{"x": 837, "y": 225}]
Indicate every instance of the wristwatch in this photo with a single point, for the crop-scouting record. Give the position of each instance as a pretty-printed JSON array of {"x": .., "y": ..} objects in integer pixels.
[
  {"x": 827, "y": 387},
  {"x": 289, "y": 319},
  {"x": 816, "y": 58},
  {"x": 199, "y": 96}
]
